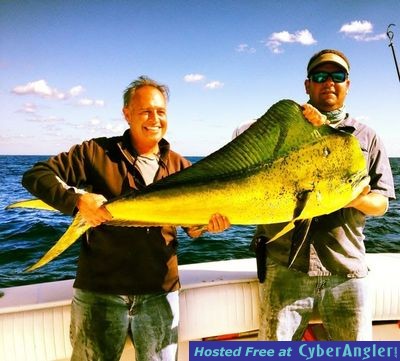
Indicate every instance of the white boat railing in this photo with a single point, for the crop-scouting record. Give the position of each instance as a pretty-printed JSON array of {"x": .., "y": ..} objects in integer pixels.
[{"x": 216, "y": 298}]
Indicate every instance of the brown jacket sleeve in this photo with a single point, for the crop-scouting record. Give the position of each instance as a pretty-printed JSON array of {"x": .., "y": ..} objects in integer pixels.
[{"x": 56, "y": 180}]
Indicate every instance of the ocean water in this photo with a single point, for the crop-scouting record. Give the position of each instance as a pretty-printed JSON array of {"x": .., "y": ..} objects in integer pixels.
[{"x": 25, "y": 235}]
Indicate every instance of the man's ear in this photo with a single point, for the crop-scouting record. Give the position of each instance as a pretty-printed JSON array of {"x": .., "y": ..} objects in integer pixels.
[
  {"x": 348, "y": 86},
  {"x": 126, "y": 113},
  {"x": 307, "y": 86}
]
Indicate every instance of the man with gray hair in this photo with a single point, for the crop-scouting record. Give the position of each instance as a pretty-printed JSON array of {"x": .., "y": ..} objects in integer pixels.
[{"x": 127, "y": 280}]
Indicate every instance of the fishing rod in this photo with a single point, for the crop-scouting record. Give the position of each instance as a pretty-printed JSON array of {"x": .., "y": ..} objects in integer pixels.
[{"x": 390, "y": 35}]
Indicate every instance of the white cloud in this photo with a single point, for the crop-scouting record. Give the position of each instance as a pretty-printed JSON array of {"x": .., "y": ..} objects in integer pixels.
[
  {"x": 28, "y": 108},
  {"x": 361, "y": 31},
  {"x": 96, "y": 127},
  {"x": 116, "y": 128},
  {"x": 197, "y": 78},
  {"x": 76, "y": 90},
  {"x": 357, "y": 27},
  {"x": 91, "y": 102},
  {"x": 46, "y": 120},
  {"x": 214, "y": 85},
  {"x": 275, "y": 41},
  {"x": 245, "y": 48},
  {"x": 193, "y": 78},
  {"x": 40, "y": 88},
  {"x": 94, "y": 121},
  {"x": 85, "y": 102},
  {"x": 304, "y": 37}
]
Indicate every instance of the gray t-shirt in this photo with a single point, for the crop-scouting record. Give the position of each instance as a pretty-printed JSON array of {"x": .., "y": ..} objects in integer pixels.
[{"x": 148, "y": 167}]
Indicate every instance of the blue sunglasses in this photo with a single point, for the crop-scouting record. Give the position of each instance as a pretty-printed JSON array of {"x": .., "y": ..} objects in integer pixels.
[{"x": 322, "y": 76}]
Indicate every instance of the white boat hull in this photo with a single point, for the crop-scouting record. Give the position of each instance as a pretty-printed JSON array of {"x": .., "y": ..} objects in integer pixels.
[{"x": 217, "y": 298}]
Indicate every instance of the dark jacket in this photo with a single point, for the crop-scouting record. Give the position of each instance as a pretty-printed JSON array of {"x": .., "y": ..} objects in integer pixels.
[{"x": 115, "y": 260}]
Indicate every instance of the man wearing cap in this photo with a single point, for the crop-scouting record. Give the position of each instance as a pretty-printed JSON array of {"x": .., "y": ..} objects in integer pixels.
[{"x": 329, "y": 273}]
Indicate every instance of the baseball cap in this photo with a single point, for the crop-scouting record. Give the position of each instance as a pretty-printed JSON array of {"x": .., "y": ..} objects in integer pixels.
[{"x": 327, "y": 57}]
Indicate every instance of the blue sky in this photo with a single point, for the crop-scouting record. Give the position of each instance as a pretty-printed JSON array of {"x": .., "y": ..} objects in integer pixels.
[{"x": 65, "y": 64}]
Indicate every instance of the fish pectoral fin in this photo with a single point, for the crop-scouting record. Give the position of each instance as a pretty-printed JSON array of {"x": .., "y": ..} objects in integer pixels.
[
  {"x": 74, "y": 231},
  {"x": 301, "y": 226},
  {"x": 299, "y": 237},
  {"x": 283, "y": 231},
  {"x": 31, "y": 204},
  {"x": 301, "y": 201}
]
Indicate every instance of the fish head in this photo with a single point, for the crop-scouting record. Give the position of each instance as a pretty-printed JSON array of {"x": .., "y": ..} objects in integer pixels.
[
  {"x": 352, "y": 175},
  {"x": 336, "y": 173},
  {"x": 355, "y": 173}
]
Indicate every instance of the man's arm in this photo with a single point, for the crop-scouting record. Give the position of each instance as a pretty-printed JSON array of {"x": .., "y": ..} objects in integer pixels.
[
  {"x": 57, "y": 181},
  {"x": 370, "y": 203}
]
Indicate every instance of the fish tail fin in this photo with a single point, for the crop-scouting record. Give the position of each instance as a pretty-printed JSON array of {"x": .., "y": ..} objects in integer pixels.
[
  {"x": 31, "y": 203},
  {"x": 78, "y": 227}
]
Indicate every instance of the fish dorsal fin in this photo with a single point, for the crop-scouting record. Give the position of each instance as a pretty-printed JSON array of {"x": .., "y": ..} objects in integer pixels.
[{"x": 279, "y": 131}]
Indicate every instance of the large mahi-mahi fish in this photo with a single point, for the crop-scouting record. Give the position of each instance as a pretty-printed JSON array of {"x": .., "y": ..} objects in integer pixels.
[{"x": 281, "y": 169}]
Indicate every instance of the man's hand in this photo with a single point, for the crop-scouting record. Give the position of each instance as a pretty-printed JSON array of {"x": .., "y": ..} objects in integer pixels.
[
  {"x": 356, "y": 201},
  {"x": 91, "y": 208},
  {"x": 370, "y": 203},
  {"x": 313, "y": 115},
  {"x": 217, "y": 223}
]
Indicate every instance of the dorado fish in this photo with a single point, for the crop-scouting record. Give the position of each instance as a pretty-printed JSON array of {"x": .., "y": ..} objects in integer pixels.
[{"x": 281, "y": 169}]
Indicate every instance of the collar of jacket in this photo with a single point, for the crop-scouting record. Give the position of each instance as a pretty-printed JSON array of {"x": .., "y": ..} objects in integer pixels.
[
  {"x": 348, "y": 125},
  {"x": 130, "y": 153}
]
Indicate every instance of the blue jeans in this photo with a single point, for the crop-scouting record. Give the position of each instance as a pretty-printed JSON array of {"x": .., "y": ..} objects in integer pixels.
[
  {"x": 100, "y": 324},
  {"x": 288, "y": 297}
]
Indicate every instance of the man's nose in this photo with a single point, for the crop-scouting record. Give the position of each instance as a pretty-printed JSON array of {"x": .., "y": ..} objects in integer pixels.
[{"x": 154, "y": 115}]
